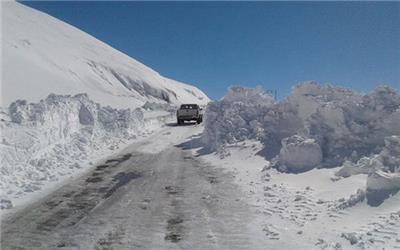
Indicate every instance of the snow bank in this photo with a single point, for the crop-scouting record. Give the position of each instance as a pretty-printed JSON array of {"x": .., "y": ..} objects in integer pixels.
[
  {"x": 46, "y": 141},
  {"x": 233, "y": 118},
  {"x": 388, "y": 160},
  {"x": 333, "y": 123},
  {"x": 49, "y": 139}
]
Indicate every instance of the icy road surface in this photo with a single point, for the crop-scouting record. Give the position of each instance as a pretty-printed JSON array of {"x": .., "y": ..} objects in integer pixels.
[{"x": 153, "y": 195}]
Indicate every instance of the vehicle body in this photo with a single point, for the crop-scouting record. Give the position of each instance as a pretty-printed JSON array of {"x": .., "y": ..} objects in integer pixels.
[{"x": 189, "y": 112}]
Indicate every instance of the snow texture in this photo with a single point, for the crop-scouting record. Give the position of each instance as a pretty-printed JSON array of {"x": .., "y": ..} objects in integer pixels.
[
  {"x": 308, "y": 210},
  {"x": 59, "y": 58},
  {"x": 316, "y": 126},
  {"x": 46, "y": 141},
  {"x": 46, "y": 138},
  {"x": 381, "y": 185},
  {"x": 338, "y": 123},
  {"x": 298, "y": 154}
]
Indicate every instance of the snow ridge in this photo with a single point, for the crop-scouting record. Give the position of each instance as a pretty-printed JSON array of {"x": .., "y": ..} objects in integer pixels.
[
  {"x": 316, "y": 126},
  {"x": 47, "y": 141},
  {"x": 345, "y": 125}
]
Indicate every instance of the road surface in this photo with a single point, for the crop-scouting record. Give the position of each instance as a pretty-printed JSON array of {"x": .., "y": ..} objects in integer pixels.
[{"x": 153, "y": 195}]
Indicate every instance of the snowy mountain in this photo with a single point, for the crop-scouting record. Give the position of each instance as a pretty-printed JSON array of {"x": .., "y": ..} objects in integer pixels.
[{"x": 43, "y": 55}]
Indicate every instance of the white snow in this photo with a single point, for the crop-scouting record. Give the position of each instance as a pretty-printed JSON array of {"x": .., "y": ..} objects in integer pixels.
[
  {"x": 44, "y": 143},
  {"x": 346, "y": 125},
  {"x": 321, "y": 167},
  {"x": 379, "y": 180},
  {"x": 43, "y": 55},
  {"x": 298, "y": 154},
  {"x": 310, "y": 210},
  {"x": 68, "y": 100}
]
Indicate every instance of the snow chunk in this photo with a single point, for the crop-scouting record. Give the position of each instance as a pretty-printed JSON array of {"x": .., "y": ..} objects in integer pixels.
[
  {"x": 235, "y": 117},
  {"x": 298, "y": 154},
  {"x": 388, "y": 160},
  {"x": 390, "y": 154},
  {"x": 381, "y": 185}
]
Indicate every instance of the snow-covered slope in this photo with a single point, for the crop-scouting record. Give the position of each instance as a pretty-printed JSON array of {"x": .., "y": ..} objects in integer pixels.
[
  {"x": 43, "y": 55},
  {"x": 69, "y": 99}
]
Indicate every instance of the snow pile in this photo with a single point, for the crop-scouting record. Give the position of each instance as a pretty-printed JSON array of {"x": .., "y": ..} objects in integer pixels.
[
  {"x": 381, "y": 185},
  {"x": 388, "y": 160},
  {"x": 51, "y": 138},
  {"x": 46, "y": 141},
  {"x": 233, "y": 118},
  {"x": 338, "y": 123},
  {"x": 59, "y": 58},
  {"x": 383, "y": 171},
  {"x": 298, "y": 154},
  {"x": 390, "y": 155}
]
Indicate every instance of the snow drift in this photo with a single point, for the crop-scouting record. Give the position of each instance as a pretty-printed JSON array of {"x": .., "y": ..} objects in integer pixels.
[
  {"x": 316, "y": 126},
  {"x": 58, "y": 58},
  {"x": 46, "y": 141},
  {"x": 345, "y": 125},
  {"x": 48, "y": 137}
]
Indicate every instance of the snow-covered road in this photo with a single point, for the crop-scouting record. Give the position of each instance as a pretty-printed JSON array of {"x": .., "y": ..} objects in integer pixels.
[
  {"x": 153, "y": 195},
  {"x": 158, "y": 194}
]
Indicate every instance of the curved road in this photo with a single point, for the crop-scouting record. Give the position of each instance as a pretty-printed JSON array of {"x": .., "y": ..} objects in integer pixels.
[{"x": 154, "y": 195}]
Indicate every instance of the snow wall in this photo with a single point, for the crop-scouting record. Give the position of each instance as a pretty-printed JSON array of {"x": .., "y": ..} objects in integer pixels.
[
  {"x": 331, "y": 123},
  {"x": 316, "y": 126},
  {"x": 46, "y": 141}
]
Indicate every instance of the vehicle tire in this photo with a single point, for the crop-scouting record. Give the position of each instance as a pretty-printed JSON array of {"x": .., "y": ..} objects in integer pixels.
[
  {"x": 199, "y": 120},
  {"x": 179, "y": 122}
]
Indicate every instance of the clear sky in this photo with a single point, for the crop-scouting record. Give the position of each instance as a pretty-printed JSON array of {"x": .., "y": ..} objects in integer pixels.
[{"x": 274, "y": 44}]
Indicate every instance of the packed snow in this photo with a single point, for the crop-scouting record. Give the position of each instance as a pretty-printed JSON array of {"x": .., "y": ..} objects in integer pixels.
[
  {"x": 68, "y": 100},
  {"x": 298, "y": 154},
  {"x": 315, "y": 126},
  {"x": 321, "y": 164},
  {"x": 320, "y": 168},
  {"x": 308, "y": 210},
  {"x": 45, "y": 142},
  {"x": 58, "y": 58}
]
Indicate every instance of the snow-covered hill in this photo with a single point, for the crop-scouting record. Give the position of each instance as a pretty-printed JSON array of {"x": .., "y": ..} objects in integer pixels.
[
  {"x": 69, "y": 99},
  {"x": 43, "y": 55}
]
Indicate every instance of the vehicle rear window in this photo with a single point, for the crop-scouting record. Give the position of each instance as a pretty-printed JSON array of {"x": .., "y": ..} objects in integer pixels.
[{"x": 189, "y": 106}]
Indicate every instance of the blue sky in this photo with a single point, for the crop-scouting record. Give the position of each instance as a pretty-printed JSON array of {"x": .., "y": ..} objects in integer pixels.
[{"x": 274, "y": 44}]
